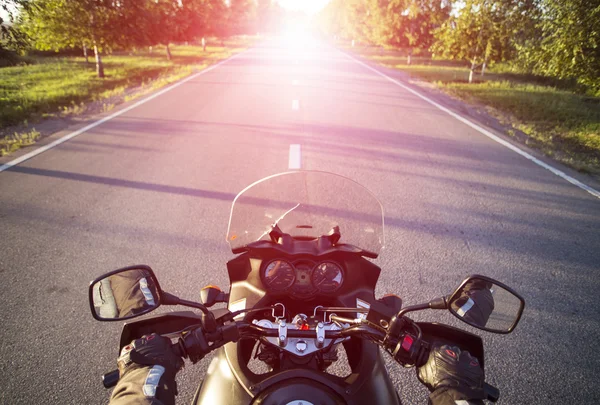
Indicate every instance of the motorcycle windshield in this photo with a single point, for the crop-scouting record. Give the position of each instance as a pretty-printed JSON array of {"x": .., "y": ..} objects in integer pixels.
[{"x": 307, "y": 204}]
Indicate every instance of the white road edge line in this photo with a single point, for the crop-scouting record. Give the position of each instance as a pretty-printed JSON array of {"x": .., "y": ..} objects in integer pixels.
[
  {"x": 484, "y": 131},
  {"x": 65, "y": 138},
  {"x": 295, "y": 105},
  {"x": 295, "y": 160}
]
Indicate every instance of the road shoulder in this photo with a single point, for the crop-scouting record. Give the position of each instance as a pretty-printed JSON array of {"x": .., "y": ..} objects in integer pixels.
[{"x": 478, "y": 114}]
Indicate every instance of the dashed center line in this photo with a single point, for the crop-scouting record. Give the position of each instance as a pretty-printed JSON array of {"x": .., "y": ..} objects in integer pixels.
[{"x": 295, "y": 159}]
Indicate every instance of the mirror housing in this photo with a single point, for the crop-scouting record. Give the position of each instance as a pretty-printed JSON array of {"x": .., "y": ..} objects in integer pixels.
[
  {"x": 487, "y": 304},
  {"x": 125, "y": 293}
]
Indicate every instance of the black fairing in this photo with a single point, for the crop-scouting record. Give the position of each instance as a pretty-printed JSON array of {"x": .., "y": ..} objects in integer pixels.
[{"x": 244, "y": 274}]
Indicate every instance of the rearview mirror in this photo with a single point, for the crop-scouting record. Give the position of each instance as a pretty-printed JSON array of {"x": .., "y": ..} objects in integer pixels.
[
  {"x": 124, "y": 294},
  {"x": 487, "y": 304}
]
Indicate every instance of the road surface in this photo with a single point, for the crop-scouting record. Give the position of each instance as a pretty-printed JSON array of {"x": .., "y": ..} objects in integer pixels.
[{"x": 155, "y": 184}]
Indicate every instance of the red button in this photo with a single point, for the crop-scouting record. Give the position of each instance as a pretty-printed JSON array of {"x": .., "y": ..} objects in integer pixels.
[{"x": 407, "y": 342}]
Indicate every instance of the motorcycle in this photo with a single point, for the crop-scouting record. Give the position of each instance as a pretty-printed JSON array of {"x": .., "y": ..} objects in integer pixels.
[{"x": 301, "y": 288}]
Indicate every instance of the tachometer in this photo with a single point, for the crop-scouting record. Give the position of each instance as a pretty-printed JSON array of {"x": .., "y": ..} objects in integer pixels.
[
  {"x": 279, "y": 275},
  {"x": 327, "y": 277}
]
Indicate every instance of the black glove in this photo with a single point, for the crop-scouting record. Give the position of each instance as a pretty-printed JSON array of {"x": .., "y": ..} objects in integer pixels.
[
  {"x": 453, "y": 374},
  {"x": 138, "y": 362},
  {"x": 150, "y": 350}
]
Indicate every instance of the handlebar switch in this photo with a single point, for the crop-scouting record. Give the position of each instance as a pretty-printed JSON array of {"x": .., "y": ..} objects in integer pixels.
[
  {"x": 195, "y": 345},
  {"x": 406, "y": 351}
]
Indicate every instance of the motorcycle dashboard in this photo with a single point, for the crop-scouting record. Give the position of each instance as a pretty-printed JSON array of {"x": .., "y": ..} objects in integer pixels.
[{"x": 302, "y": 278}]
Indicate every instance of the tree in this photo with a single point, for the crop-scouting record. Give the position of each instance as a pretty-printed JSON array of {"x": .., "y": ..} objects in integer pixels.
[
  {"x": 567, "y": 42},
  {"x": 59, "y": 24},
  {"x": 166, "y": 23},
  {"x": 202, "y": 18},
  {"x": 484, "y": 31},
  {"x": 241, "y": 17},
  {"x": 411, "y": 23},
  {"x": 10, "y": 36}
]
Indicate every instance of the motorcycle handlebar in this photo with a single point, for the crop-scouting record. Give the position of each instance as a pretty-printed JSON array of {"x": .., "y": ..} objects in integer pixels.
[{"x": 111, "y": 378}]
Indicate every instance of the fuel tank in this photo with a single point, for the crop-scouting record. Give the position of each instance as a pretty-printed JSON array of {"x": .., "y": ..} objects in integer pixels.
[{"x": 229, "y": 381}]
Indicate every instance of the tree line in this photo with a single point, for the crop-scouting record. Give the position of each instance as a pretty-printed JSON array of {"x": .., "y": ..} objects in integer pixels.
[
  {"x": 556, "y": 38},
  {"x": 108, "y": 25}
]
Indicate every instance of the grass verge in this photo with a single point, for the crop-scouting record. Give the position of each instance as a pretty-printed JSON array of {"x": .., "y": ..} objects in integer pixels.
[
  {"x": 557, "y": 118},
  {"x": 16, "y": 141},
  {"x": 59, "y": 86}
]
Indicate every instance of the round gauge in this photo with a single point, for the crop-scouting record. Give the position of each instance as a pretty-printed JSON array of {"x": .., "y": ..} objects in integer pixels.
[
  {"x": 302, "y": 286},
  {"x": 327, "y": 277},
  {"x": 279, "y": 275}
]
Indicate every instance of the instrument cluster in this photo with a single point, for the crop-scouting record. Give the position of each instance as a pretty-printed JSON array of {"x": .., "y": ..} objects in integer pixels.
[{"x": 302, "y": 278}]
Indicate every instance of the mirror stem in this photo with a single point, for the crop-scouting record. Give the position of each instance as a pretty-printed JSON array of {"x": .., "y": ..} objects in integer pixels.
[
  {"x": 170, "y": 299},
  {"x": 412, "y": 308},
  {"x": 439, "y": 303}
]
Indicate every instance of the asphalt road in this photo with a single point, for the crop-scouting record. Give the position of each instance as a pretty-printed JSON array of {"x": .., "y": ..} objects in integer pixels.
[{"x": 155, "y": 186}]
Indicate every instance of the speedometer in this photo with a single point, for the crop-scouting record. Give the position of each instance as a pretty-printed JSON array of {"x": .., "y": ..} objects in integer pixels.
[
  {"x": 279, "y": 275},
  {"x": 327, "y": 277}
]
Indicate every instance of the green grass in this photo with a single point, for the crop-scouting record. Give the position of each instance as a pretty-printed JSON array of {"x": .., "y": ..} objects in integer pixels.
[
  {"x": 557, "y": 117},
  {"x": 56, "y": 86}
]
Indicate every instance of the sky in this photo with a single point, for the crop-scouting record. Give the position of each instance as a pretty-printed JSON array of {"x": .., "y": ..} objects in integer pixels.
[{"x": 310, "y": 6}]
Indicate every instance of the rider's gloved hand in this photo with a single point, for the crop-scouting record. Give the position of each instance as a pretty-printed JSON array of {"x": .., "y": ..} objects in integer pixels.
[
  {"x": 452, "y": 375},
  {"x": 147, "y": 368}
]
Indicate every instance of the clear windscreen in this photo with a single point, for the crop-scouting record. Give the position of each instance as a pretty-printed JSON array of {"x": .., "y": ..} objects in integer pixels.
[{"x": 307, "y": 204}]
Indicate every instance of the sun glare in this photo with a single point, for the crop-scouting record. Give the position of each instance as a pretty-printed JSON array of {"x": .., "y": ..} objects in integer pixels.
[{"x": 308, "y": 6}]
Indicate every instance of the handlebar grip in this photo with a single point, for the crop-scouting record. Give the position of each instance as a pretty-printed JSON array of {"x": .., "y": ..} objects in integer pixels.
[
  {"x": 110, "y": 379},
  {"x": 492, "y": 393}
]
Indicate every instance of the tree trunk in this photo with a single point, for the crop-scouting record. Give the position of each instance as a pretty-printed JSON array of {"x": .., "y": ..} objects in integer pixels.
[
  {"x": 168, "y": 52},
  {"x": 483, "y": 68},
  {"x": 473, "y": 66},
  {"x": 99, "y": 65},
  {"x": 85, "y": 54},
  {"x": 203, "y": 44},
  {"x": 150, "y": 50},
  {"x": 408, "y": 58}
]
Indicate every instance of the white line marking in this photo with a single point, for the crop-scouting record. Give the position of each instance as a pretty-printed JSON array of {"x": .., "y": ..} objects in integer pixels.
[
  {"x": 294, "y": 82},
  {"x": 484, "y": 131},
  {"x": 65, "y": 138},
  {"x": 295, "y": 105},
  {"x": 295, "y": 157}
]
